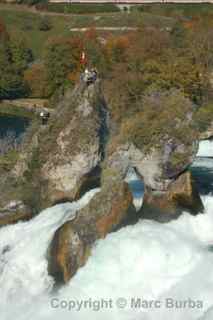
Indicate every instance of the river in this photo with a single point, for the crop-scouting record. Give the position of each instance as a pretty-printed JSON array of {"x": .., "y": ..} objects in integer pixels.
[
  {"x": 147, "y": 271},
  {"x": 9, "y": 123}
]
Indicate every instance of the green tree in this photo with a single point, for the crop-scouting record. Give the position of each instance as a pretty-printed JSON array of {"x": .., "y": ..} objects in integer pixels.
[
  {"x": 21, "y": 54},
  {"x": 164, "y": 114},
  {"x": 14, "y": 57},
  {"x": 45, "y": 24},
  {"x": 61, "y": 57}
]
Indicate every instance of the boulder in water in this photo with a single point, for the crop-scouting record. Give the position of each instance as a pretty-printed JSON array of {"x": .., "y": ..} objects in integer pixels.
[
  {"x": 108, "y": 210},
  {"x": 67, "y": 253},
  {"x": 182, "y": 195}
]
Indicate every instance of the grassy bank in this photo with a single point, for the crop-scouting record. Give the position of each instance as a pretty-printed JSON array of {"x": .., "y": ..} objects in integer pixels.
[
  {"x": 12, "y": 110},
  {"x": 177, "y": 9},
  {"x": 24, "y": 20},
  {"x": 78, "y": 8},
  {"x": 27, "y": 23}
]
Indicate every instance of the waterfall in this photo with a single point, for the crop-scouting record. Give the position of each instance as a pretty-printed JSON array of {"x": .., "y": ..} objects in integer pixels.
[
  {"x": 205, "y": 148},
  {"x": 127, "y": 270}
]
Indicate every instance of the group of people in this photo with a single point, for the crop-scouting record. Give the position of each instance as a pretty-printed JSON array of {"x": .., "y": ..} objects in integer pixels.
[
  {"x": 89, "y": 76},
  {"x": 44, "y": 116}
]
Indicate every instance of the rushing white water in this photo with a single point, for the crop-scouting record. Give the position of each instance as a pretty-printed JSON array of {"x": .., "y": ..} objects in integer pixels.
[
  {"x": 205, "y": 148},
  {"x": 23, "y": 248},
  {"x": 147, "y": 261}
]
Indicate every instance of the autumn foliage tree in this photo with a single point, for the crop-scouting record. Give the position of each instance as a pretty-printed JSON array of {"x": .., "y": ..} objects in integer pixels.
[
  {"x": 116, "y": 49},
  {"x": 3, "y": 32},
  {"x": 61, "y": 58},
  {"x": 35, "y": 79},
  {"x": 14, "y": 59},
  {"x": 93, "y": 49}
]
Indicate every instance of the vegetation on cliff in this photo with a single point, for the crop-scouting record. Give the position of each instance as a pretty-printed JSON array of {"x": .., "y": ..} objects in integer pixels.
[
  {"x": 157, "y": 84},
  {"x": 161, "y": 118},
  {"x": 158, "y": 90}
]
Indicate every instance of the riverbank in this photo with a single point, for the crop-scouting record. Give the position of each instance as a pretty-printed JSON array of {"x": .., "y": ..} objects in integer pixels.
[{"x": 24, "y": 107}]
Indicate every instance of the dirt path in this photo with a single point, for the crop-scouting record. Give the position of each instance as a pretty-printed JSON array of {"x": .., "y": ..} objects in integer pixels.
[
  {"x": 105, "y": 29},
  {"x": 32, "y": 105}
]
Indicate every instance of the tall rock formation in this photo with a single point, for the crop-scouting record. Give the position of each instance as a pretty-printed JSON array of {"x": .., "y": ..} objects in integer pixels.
[
  {"x": 62, "y": 158},
  {"x": 74, "y": 153}
]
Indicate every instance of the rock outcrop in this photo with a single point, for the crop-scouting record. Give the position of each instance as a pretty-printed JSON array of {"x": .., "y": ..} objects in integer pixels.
[
  {"x": 157, "y": 168},
  {"x": 74, "y": 153},
  {"x": 208, "y": 133},
  {"x": 64, "y": 158},
  {"x": 110, "y": 209},
  {"x": 182, "y": 195},
  {"x": 159, "y": 140},
  {"x": 76, "y": 147},
  {"x": 67, "y": 253},
  {"x": 58, "y": 163},
  {"x": 13, "y": 212}
]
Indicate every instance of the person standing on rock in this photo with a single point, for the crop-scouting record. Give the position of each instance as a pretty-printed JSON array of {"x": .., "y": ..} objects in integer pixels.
[{"x": 89, "y": 76}]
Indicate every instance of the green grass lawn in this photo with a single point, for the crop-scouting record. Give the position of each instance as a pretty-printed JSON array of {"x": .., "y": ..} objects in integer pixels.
[
  {"x": 26, "y": 21},
  {"x": 186, "y": 10},
  {"x": 9, "y": 109}
]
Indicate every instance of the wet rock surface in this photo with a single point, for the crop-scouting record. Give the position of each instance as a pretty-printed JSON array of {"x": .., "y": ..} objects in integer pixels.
[
  {"x": 109, "y": 210},
  {"x": 75, "y": 152},
  {"x": 58, "y": 163},
  {"x": 13, "y": 212},
  {"x": 182, "y": 195}
]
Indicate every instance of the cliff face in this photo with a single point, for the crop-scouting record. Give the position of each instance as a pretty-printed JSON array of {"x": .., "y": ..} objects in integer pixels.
[
  {"x": 72, "y": 145},
  {"x": 157, "y": 168},
  {"x": 208, "y": 133},
  {"x": 54, "y": 165},
  {"x": 158, "y": 139},
  {"x": 69, "y": 156},
  {"x": 75, "y": 153},
  {"x": 182, "y": 195}
]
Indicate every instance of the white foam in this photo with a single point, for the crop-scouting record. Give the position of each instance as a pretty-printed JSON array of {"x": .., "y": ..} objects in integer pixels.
[
  {"x": 148, "y": 260},
  {"x": 205, "y": 163},
  {"x": 23, "y": 248},
  {"x": 205, "y": 148},
  {"x": 208, "y": 314}
]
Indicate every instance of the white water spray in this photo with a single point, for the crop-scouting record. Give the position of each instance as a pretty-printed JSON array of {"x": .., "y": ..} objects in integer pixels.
[
  {"x": 149, "y": 261},
  {"x": 205, "y": 148}
]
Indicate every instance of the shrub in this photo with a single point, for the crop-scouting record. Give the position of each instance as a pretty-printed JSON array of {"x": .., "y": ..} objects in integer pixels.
[
  {"x": 62, "y": 56},
  {"x": 77, "y": 8},
  {"x": 44, "y": 24},
  {"x": 164, "y": 115},
  {"x": 203, "y": 117},
  {"x": 36, "y": 80}
]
